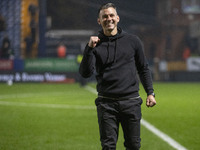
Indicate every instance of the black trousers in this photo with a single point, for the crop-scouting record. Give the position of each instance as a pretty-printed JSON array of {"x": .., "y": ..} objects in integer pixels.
[{"x": 111, "y": 113}]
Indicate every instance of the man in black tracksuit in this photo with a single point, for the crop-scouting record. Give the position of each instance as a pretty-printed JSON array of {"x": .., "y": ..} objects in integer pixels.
[{"x": 117, "y": 57}]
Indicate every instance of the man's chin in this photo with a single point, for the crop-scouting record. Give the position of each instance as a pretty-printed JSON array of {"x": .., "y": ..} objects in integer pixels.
[{"x": 110, "y": 29}]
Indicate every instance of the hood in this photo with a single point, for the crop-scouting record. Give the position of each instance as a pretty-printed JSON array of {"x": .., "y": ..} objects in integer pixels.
[
  {"x": 109, "y": 40},
  {"x": 105, "y": 38}
]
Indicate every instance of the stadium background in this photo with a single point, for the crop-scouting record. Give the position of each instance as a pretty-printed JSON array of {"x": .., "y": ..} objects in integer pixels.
[{"x": 38, "y": 28}]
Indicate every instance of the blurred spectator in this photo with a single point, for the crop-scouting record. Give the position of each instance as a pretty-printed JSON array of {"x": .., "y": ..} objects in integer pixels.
[
  {"x": 168, "y": 46},
  {"x": 29, "y": 44},
  {"x": 33, "y": 26},
  {"x": 32, "y": 9},
  {"x": 82, "y": 81},
  {"x": 61, "y": 51},
  {"x": 152, "y": 51},
  {"x": 2, "y": 23},
  {"x": 186, "y": 53},
  {"x": 5, "y": 49}
]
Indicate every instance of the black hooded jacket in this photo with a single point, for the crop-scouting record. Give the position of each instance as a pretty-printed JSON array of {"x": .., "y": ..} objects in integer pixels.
[{"x": 117, "y": 60}]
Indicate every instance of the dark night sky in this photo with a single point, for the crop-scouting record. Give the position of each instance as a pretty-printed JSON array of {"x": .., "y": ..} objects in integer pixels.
[{"x": 82, "y": 14}]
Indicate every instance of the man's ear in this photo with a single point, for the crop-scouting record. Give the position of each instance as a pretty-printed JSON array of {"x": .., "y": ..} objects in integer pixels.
[
  {"x": 98, "y": 21},
  {"x": 118, "y": 18}
]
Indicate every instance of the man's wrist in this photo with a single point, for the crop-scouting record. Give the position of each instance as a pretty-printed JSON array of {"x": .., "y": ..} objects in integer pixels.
[{"x": 153, "y": 94}]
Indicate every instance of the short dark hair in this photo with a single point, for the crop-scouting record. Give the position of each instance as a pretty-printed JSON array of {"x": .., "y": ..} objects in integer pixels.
[{"x": 106, "y": 6}]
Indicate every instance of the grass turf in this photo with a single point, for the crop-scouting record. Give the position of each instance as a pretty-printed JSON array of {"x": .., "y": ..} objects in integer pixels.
[{"x": 41, "y": 128}]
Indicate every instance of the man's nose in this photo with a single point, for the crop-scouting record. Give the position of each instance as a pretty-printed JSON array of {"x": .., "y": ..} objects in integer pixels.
[{"x": 109, "y": 18}]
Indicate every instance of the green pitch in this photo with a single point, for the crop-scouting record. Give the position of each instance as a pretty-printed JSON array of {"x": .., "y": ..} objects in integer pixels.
[{"x": 63, "y": 117}]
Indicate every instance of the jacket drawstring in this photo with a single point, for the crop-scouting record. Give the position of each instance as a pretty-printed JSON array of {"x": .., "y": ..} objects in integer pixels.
[
  {"x": 115, "y": 53},
  {"x": 109, "y": 54}
]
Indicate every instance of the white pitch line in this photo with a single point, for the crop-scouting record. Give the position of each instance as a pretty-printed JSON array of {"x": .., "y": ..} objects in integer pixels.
[
  {"x": 90, "y": 89},
  {"x": 162, "y": 135},
  {"x": 79, "y": 107},
  {"x": 152, "y": 128},
  {"x": 26, "y": 95}
]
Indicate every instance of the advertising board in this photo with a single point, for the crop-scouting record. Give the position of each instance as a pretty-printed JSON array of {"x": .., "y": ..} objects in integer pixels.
[
  {"x": 51, "y": 65},
  {"x": 35, "y": 77}
]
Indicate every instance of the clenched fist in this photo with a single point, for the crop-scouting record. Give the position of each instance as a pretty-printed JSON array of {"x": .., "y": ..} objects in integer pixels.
[
  {"x": 93, "y": 41},
  {"x": 150, "y": 102}
]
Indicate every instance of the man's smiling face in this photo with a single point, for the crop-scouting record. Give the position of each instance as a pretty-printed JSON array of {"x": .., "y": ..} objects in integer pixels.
[{"x": 108, "y": 19}]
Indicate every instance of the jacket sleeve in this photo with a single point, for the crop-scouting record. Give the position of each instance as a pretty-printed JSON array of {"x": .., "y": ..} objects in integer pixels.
[
  {"x": 143, "y": 68},
  {"x": 86, "y": 68}
]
